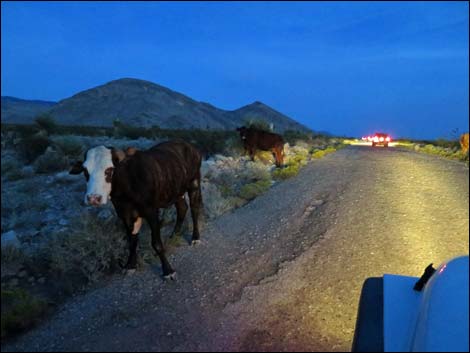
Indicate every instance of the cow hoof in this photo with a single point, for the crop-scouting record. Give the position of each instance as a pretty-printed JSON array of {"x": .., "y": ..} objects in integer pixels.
[
  {"x": 171, "y": 276},
  {"x": 195, "y": 242}
]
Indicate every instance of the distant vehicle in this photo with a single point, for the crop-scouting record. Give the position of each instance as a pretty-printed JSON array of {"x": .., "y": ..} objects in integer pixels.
[
  {"x": 410, "y": 314},
  {"x": 379, "y": 138}
]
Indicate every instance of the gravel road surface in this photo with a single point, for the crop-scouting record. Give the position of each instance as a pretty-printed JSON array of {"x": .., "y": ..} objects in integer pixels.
[{"x": 283, "y": 273}]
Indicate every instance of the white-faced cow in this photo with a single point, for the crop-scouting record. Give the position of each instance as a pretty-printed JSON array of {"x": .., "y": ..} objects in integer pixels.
[{"x": 139, "y": 183}]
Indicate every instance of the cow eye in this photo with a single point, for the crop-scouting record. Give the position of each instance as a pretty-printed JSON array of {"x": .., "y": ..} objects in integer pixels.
[{"x": 108, "y": 173}]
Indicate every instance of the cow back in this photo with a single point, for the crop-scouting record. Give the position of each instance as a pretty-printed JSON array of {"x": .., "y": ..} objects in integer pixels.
[
  {"x": 158, "y": 176},
  {"x": 263, "y": 140}
]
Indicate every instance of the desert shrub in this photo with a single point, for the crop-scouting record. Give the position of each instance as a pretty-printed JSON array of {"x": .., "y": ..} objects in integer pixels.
[
  {"x": 288, "y": 172},
  {"x": 20, "y": 310},
  {"x": 298, "y": 154},
  {"x": 265, "y": 157},
  {"x": 51, "y": 161},
  {"x": 132, "y": 132},
  {"x": 34, "y": 146},
  {"x": 47, "y": 123},
  {"x": 293, "y": 136},
  {"x": 257, "y": 123},
  {"x": 446, "y": 143},
  {"x": 429, "y": 148},
  {"x": 317, "y": 154},
  {"x": 92, "y": 248},
  {"x": 252, "y": 190},
  {"x": 299, "y": 159},
  {"x": 330, "y": 149},
  {"x": 450, "y": 152},
  {"x": 226, "y": 191},
  {"x": 214, "y": 203},
  {"x": 69, "y": 145},
  {"x": 255, "y": 172},
  {"x": 12, "y": 169},
  {"x": 233, "y": 146},
  {"x": 11, "y": 254},
  {"x": 84, "y": 130}
]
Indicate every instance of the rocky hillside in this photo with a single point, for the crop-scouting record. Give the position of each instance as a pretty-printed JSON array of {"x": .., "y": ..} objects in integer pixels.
[
  {"x": 22, "y": 111},
  {"x": 143, "y": 103}
]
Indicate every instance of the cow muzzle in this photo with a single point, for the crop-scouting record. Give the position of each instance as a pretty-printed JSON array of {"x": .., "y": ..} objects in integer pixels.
[{"x": 94, "y": 200}]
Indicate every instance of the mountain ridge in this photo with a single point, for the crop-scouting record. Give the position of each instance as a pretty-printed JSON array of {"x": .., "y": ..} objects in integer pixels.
[{"x": 144, "y": 103}]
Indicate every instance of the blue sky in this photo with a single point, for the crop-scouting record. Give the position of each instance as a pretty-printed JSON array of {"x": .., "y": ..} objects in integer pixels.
[{"x": 351, "y": 68}]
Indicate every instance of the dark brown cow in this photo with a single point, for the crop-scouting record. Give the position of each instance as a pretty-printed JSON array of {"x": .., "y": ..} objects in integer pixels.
[
  {"x": 254, "y": 139},
  {"x": 139, "y": 183}
]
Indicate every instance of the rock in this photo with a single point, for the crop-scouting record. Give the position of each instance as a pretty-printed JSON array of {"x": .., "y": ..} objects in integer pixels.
[
  {"x": 10, "y": 239},
  {"x": 65, "y": 177},
  {"x": 219, "y": 157},
  {"x": 27, "y": 171},
  {"x": 22, "y": 274},
  {"x": 317, "y": 202},
  {"x": 105, "y": 214},
  {"x": 42, "y": 280},
  {"x": 31, "y": 279},
  {"x": 50, "y": 217},
  {"x": 13, "y": 282},
  {"x": 63, "y": 222}
]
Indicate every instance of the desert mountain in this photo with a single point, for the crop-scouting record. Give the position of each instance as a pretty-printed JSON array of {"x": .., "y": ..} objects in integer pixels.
[
  {"x": 143, "y": 103},
  {"x": 22, "y": 111}
]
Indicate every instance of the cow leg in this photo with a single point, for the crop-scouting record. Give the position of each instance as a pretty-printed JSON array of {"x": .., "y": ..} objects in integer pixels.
[
  {"x": 195, "y": 200},
  {"x": 132, "y": 230},
  {"x": 246, "y": 149},
  {"x": 181, "y": 209},
  {"x": 252, "y": 154},
  {"x": 157, "y": 245}
]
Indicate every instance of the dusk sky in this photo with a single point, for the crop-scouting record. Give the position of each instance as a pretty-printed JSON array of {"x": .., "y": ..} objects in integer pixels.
[{"x": 348, "y": 68}]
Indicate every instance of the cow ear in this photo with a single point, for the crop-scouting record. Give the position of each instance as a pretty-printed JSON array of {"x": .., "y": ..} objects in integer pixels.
[
  {"x": 130, "y": 151},
  {"x": 117, "y": 156},
  {"x": 77, "y": 168}
]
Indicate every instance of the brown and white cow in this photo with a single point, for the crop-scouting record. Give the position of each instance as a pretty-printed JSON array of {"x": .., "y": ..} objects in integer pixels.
[
  {"x": 139, "y": 183},
  {"x": 464, "y": 142},
  {"x": 254, "y": 139}
]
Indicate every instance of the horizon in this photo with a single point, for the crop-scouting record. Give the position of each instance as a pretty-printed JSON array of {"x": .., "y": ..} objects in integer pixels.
[{"x": 402, "y": 68}]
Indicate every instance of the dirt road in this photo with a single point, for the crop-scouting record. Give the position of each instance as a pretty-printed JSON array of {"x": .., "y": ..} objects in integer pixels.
[{"x": 285, "y": 271}]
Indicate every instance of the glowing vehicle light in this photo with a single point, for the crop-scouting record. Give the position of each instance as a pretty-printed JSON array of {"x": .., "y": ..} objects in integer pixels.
[{"x": 381, "y": 139}]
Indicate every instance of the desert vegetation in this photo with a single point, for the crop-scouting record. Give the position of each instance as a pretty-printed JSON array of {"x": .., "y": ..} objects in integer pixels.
[
  {"x": 449, "y": 149},
  {"x": 53, "y": 246}
]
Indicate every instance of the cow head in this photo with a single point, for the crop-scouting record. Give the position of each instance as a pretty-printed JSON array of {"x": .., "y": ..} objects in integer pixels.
[
  {"x": 242, "y": 130},
  {"x": 98, "y": 169}
]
